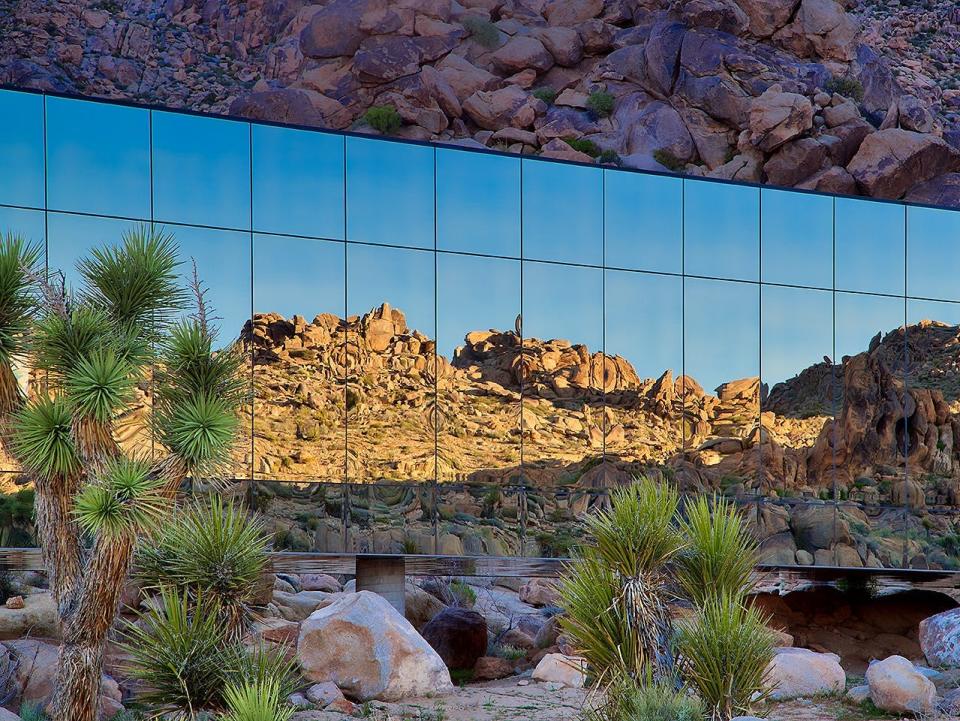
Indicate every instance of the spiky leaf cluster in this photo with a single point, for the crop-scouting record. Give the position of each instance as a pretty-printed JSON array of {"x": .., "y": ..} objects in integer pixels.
[
  {"x": 124, "y": 499},
  {"x": 42, "y": 438},
  {"x": 19, "y": 263}
]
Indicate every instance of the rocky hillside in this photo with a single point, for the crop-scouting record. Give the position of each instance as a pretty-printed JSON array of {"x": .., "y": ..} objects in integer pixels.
[{"x": 856, "y": 96}]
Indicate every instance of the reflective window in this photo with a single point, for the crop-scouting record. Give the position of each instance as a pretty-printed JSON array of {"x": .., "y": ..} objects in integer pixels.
[
  {"x": 72, "y": 237},
  {"x": 201, "y": 170},
  {"x": 562, "y": 328},
  {"x": 297, "y": 182},
  {"x": 478, "y": 386},
  {"x": 478, "y": 203},
  {"x": 933, "y": 259},
  {"x": 309, "y": 515},
  {"x": 642, "y": 367},
  {"x": 562, "y": 212},
  {"x": 721, "y": 389},
  {"x": 390, "y": 193},
  {"x": 298, "y": 342},
  {"x": 21, "y": 149},
  {"x": 870, "y": 246},
  {"x": 643, "y": 228},
  {"x": 98, "y": 158},
  {"x": 391, "y": 518},
  {"x": 29, "y": 224},
  {"x": 797, "y": 238},
  {"x": 391, "y": 364},
  {"x": 721, "y": 230},
  {"x": 479, "y": 520}
]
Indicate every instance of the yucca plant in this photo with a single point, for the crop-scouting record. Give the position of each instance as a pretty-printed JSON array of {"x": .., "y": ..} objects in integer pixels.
[
  {"x": 719, "y": 556},
  {"x": 92, "y": 347},
  {"x": 260, "y": 664},
  {"x": 724, "y": 651},
  {"x": 212, "y": 549},
  {"x": 615, "y": 593},
  {"x": 256, "y": 701}
]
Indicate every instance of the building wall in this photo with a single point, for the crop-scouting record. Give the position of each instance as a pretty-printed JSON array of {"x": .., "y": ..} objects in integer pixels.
[{"x": 460, "y": 352}]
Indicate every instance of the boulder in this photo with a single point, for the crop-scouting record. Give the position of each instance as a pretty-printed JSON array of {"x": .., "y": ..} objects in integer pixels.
[
  {"x": 323, "y": 694},
  {"x": 458, "y": 635},
  {"x": 337, "y": 29},
  {"x": 896, "y": 686},
  {"x": 37, "y": 618},
  {"x": 385, "y": 58},
  {"x": 8, "y": 715},
  {"x": 800, "y": 672},
  {"x": 419, "y": 606},
  {"x": 940, "y": 638},
  {"x": 890, "y": 162},
  {"x": 519, "y": 53},
  {"x": 767, "y": 16},
  {"x": 571, "y": 671},
  {"x": 564, "y": 44},
  {"x": 777, "y": 116},
  {"x": 297, "y": 606},
  {"x": 491, "y": 668},
  {"x": 494, "y": 109},
  {"x": 821, "y": 28},
  {"x": 539, "y": 592},
  {"x": 795, "y": 161},
  {"x": 943, "y": 190},
  {"x": 723, "y": 15},
  {"x": 571, "y": 12},
  {"x": 320, "y": 582},
  {"x": 364, "y": 646}
]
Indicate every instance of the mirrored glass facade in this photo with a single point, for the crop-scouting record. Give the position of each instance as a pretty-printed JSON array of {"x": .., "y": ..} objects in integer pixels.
[{"x": 459, "y": 352}]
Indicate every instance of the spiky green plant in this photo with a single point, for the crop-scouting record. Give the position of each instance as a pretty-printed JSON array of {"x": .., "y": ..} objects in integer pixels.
[
  {"x": 260, "y": 664},
  {"x": 627, "y": 700},
  {"x": 720, "y": 554},
  {"x": 724, "y": 651},
  {"x": 125, "y": 499},
  {"x": 213, "y": 549},
  {"x": 256, "y": 701},
  {"x": 615, "y": 593}
]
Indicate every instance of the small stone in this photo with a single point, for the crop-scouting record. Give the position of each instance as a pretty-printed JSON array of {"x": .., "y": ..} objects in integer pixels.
[{"x": 15, "y": 602}]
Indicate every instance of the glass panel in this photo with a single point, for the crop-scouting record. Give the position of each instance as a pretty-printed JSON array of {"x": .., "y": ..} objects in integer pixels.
[
  {"x": 478, "y": 203},
  {"x": 870, "y": 246},
  {"x": 299, "y": 372},
  {"x": 870, "y": 429},
  {"x": 391, "y": 396},
  {"x": 390, "y": 193},
  {"x": 478, "y": 520},
  {"x": 721, "y": 385},
  {"x": 796, "y": 351},
  {"x": 21, "y": 149},
  {"x": 297, "y": 182},
  {"x": 28, "y": 224},
  {"x": 796, "y": 238},
  {"x": 934, "y": 540},
  {"x": 721, "y": 230},
  {"x": 303, "y": 516},
  {"x": 478, "y": 384},
  {"x": 876, "y": 532},
  {"x": 555, "y": 519},
  {"x": 643, "y": 228},
  {"x": 201, "y": 170},
  {"x": 98, "y": 158},
  {"x": 401, "y": 518},
  {"x": 642, "y": 368},
  {"x": 933, "y": 260},
  {"x": 562, "y": 212},
  {"x": 72, "y": 237},
  {"x": 562, "y": 368}
]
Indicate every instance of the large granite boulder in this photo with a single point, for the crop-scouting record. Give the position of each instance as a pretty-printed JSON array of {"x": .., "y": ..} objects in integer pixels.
[
  {"x": 800, "y": 672},
  {"x": 459, "y": 635},
  {"x": 778, "y": 116},
  {"x": 890, "y": 162},
  {"x": 940, "y": 638},
  {"x": 898, "y": 687},
  {"x": 570, "y": 671},
  {"x": 362, "y": 644}
]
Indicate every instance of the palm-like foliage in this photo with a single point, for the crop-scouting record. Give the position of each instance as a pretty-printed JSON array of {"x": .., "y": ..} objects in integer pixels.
[
  {"x": 18, "y": 263},
  {"x": 42, "y": 438},
  {"x": 720, "y": 555},
  {"x": 125, "y": 500},
  {"x": 725, "y": 649}
]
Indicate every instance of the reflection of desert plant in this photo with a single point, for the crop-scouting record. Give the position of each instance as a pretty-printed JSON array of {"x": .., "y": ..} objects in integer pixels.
[
  {"x": 16, "y": 518},
  {"x": 462, "y": 594}
]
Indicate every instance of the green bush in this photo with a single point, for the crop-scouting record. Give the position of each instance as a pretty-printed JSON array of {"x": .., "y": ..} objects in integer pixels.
[
  {"x": 648, "y": 701},
  {"x": 584, "y": 146},
  {"x": 547, "y": 95},
  {"x": 383, "y": 118},
  {"x": 256, "y": 701},
  {"x": 600, "y": 103},
  {"x": 609, "y": 157},
  {"x": 725, "y": 650},
  {"x": 668, "y": 160},
  {"x": 212, "y": 549},
  {"x": 32, "y": 712},
  {"x": 483, "y": 31},
  {"x": 847, "y": 86},
  {"x": 462, "y": 594}
]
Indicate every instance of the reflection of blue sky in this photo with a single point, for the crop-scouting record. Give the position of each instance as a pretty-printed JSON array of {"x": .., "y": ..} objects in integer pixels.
[
  {"x": 297, "y": 182},
  {"x": 797, "y": 238},
  {"x": 562, "y": 212},
  {"x": 478, "y": 203},
  {"x": 870, "y": 246},
  {"x": 403, "y": 278},
  {"x": 918, "y": 310},
  {"x": 25, "y": 223},
  {"x": 860, "y": 317},
  {"x": 796, "y": 331},
  {"x": 295, "y": 276},
  {"x": 933, "y": 260},
  {"x": 563, "y": 302},
  {"x": 98, "y": 158},
  {"x": 390, "y": 193},
  {"x": 201, "y": 170},
  {"x": 72, "y": 237},
  {"x": 644, "y": 321},
  {"x": 643, "y": 229},
  {"x": 721, "y": 338},
  {"x": 474, "y": 294},
  {"x": 721, "y": 230},
  {"x": 21, "y": 148}
]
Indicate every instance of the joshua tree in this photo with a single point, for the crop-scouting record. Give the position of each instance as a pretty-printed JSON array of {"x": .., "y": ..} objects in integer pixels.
[{"x": 88, "y": 350}]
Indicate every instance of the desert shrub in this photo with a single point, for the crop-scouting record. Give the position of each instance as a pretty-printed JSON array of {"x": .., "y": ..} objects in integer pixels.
[
  {"x": 547, "y": 95},
  {"x": 600, "y": 103},
  {"x": 511, "y": 653},
  {"x": 668, "y": 160},
  {"x": 609, "y": 157},
  {"x": 647, "y": 701},
  {"x": 213, "y": 549},
  {"x": 725, "y": 649},
  {"x": 847, "y": 86},
  {"x": 261, "y": 700},
  {"x": 383, "y": 118},
  {"x": 483, "y": 31},
  {"x": 584, "y": 146},
  {"x": 720, "y": 554},
  {"x": 462, "y": 594},
  {"x": 32, "y": 712}
]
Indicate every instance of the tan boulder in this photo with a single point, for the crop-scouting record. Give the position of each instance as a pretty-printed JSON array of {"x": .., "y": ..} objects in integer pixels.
[
  {"x": 494, "y": 109},
  {"x": 777, "y": 116},
  {"x": 491, "y": 668},
  {"x": 364, "y": 646},
  {"x": 767, "y": 16},
  {"x": 800, "y": 672},
  {"x": 571, "y": 671},
  {"x": 571, "y": 12},
  {"x": 890, "y": 162},
  {"x": 522, "y": 52},
  {"x": 821, "y": 28},
  {"x": 539, "y": 592},
  {"x": 896, "y": 686}
]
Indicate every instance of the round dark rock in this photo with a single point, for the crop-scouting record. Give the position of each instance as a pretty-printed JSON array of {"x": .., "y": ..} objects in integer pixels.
[{"x": 459, "y": 636}]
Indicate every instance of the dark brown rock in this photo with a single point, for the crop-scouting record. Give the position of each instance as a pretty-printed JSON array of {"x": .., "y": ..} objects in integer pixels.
[{"x": 458, "y": 635}]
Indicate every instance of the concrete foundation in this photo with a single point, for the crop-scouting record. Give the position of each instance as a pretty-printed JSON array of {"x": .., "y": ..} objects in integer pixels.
[{"x": 384, "y": 575}]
